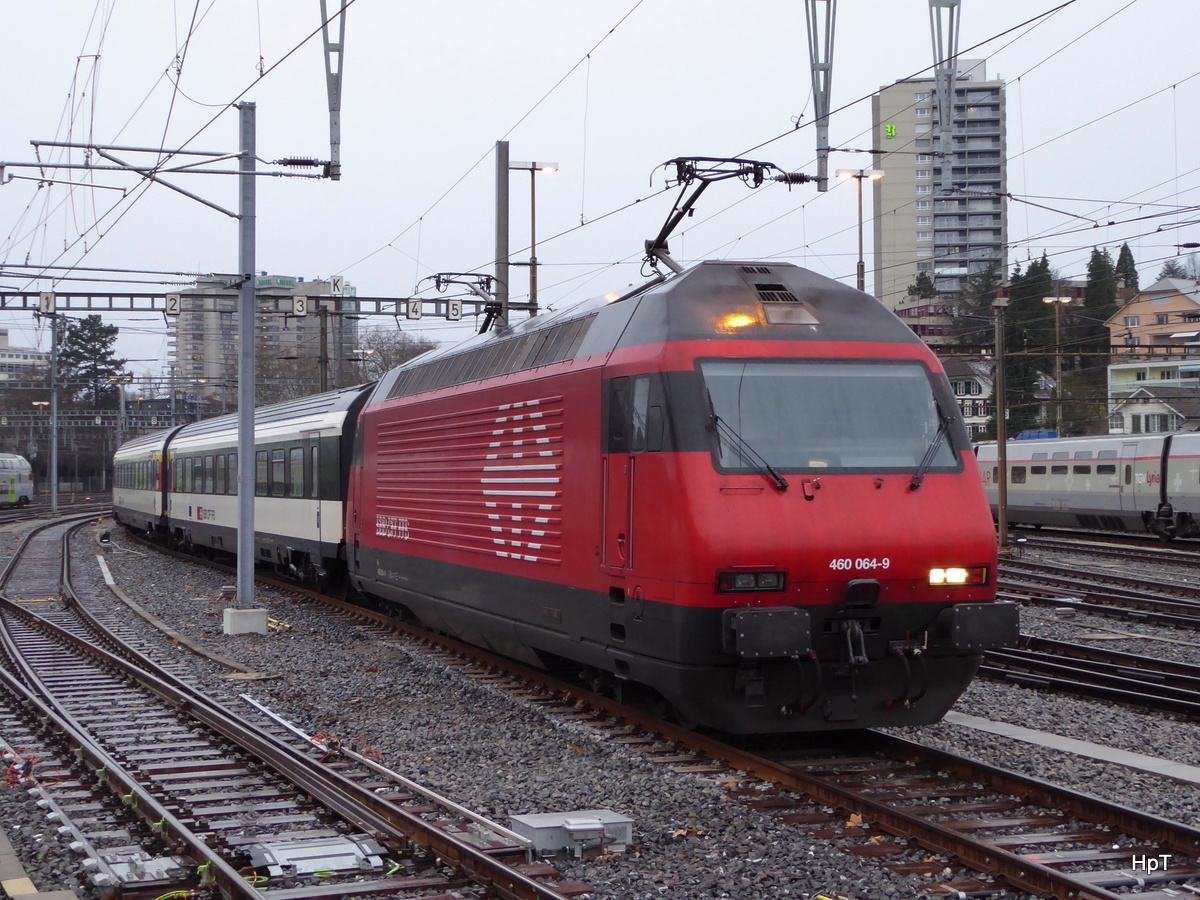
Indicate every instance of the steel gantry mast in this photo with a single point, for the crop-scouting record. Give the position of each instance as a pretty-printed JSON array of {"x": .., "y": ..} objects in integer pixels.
[
  {"x": 333, "y": 83},
  {"x": 943, "y": 28},
  {"x": 820, "y": 55}
]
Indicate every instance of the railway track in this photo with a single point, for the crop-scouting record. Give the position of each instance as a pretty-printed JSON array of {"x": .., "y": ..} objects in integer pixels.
[
  {"x": 916, "y": 810},
  {"x": 204, "y": 799},
  {"x": 1087, "y": 671},
  {"x": 1106, "y": 593},
  {"x": 1111, "y": 548},
  {"x": 958, "y": 827}
]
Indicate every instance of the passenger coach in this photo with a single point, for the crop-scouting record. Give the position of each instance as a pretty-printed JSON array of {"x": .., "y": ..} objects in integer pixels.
[
  {"x": 1135, "y": 482},
  {"x": 182, "y": 484}
]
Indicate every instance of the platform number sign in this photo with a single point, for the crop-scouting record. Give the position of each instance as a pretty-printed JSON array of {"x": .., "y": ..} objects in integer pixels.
[
  {"x": 337, "y": 285},
  {"x": 174, "y": 304},
  {"x": 413, "y": 309},
  {"x": 453, "y": 310},
  {"x": 46, "y": 302},
  {"x": 300, "y": 306}
]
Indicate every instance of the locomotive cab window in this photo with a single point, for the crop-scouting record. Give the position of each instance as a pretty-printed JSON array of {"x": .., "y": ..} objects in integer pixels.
[{"x": 829, "y": 416}]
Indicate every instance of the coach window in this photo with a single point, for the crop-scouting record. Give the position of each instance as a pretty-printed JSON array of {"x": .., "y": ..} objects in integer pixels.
[
  {"x": 314, "y": 457},
  {"x": 278, "y": 473},
  {"x": 1037, "y": 470},
  {"x": 187, "y": 474},
  {"x": 1018, "y": 474},
  {"x": 1106, "y": 470},
  {"x": 296, "y": 472},
  {"x": 1082, "y": 470},
  {"x": 1058, "y": 470},
  {"x": 260, "y": 473},
  {"x": 210, "y": 475},
  {"x": 233, "y": 473}
]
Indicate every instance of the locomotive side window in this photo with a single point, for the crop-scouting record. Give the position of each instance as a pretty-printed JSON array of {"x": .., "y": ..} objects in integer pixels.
[
  {"x": 296, "y": 472},
  {"x": 260, "y": 473},
  {"x": 641, "y": 406},
  {"x": 1018, "y": 474},
  {"x": 619, "y": 416}
]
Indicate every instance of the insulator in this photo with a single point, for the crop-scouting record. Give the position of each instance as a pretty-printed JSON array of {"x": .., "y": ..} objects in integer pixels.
[
  {"x": 794, "y": 178},
  {"x": 298, "y": 162}
]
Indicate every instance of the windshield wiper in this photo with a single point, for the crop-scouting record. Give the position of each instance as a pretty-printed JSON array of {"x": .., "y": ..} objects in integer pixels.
[
  {"x": 931, "y": 452},
  {"x": 748, "y": 453}
]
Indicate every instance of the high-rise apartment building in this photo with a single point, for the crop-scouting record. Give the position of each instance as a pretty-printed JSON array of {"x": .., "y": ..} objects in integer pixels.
[
  {"x": 945, "y": 216},
  {"x": 204, "y": 336}
]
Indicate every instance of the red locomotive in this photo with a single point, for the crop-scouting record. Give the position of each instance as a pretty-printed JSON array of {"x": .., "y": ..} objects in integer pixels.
[{"x": 746, "y": 490}]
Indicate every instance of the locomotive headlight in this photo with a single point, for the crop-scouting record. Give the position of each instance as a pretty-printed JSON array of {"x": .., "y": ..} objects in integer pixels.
[
  {"x": 750, "y": 581},
  {"x": 955, "y": 575}
]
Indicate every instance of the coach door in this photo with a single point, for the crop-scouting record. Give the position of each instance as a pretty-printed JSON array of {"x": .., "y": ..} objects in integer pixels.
[
  {"x": 311, "y": 447},
  {"x": 1127, "y": 476}
]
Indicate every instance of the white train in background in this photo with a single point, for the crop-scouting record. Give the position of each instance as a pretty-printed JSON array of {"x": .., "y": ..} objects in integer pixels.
[{"x": 1134, "y": 482}]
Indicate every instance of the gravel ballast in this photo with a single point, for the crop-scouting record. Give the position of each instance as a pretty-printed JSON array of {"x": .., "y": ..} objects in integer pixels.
[{"x": 501, "y": 756}]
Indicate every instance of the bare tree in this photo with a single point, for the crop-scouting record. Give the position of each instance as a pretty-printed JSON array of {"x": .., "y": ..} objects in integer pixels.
[{"x": 382, "y": 349}]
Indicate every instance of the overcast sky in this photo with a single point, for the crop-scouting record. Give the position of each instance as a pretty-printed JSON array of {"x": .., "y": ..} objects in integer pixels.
[{"x": 1101, "y": 103}]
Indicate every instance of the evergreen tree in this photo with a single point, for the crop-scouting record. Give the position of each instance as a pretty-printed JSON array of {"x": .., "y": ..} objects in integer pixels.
[
  {"x": 973, "y": 317},
  {"x": 87, "y": 366},
  {"x": 1172, "y": 268},
  {"x": 1099, "y": 305},
  {"x": 1127, "y": 270},
  {"x": 923, "y": 288},
  {"x": 1029, "y": 327}
]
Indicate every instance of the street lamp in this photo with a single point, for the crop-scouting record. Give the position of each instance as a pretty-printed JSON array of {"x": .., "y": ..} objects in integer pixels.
[
  {"x": 533, "y": 168},
  {"x": 858, "y": 175},
  {"x": 1058, "y": 304}
]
